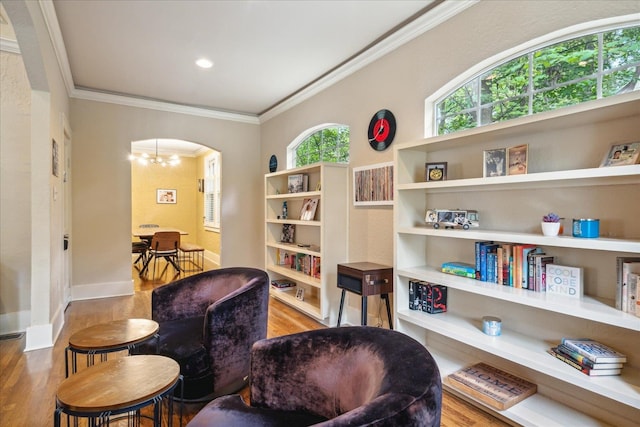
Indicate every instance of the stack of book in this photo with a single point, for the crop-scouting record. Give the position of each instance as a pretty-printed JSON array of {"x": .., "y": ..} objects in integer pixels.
[{"x": 589, "y": 357}]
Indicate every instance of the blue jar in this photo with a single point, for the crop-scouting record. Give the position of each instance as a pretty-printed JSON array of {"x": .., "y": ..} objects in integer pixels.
[{"x": 586, "y": 228}]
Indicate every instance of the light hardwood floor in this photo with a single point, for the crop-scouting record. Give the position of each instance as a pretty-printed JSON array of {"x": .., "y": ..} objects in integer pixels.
[{"x": 29, "y": 380}]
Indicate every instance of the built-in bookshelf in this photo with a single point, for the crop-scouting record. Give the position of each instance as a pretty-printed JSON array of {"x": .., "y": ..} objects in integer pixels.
[
  {"x": 320, "y": 242},
  {"x": 565, "y": 149}
]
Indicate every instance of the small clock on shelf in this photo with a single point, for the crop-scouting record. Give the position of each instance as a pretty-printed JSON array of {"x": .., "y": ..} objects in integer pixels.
[{"x": 436, "y": 171}]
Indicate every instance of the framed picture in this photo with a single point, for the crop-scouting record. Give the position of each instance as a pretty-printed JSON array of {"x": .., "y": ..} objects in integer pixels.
[
  {"x": 518, "y": 159},
  {"x": 495, "y": 162},
  {"x": 622, "y": 154},
  {"x": 165, "y": 196},
  {"x": 54, "y": 157},
  {"x": 436, "y": 171},
  {"x": 373, "y": 185},
  {"x": 308, "y": 211},
  {"x": 300, "y": 294}
]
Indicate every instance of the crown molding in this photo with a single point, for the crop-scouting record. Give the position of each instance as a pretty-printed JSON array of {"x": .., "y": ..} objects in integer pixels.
[{"x": 419, "y": 26}]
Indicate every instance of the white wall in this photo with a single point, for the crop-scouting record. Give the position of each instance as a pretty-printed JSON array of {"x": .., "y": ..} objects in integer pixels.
[{"x": 102, "y": 135}]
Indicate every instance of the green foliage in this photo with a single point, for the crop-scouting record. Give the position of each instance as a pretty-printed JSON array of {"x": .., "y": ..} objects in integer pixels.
[
  {"x": 327, "y": 145},
  {"x": 555, "y": 76}
]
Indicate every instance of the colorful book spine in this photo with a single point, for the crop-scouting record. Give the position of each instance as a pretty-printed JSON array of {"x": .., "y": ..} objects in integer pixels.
[
  {"x": 583, "y": 361},
  {"x": 587, "y": 371}
]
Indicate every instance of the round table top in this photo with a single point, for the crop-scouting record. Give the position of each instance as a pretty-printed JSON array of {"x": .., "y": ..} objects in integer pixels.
[
  {"x": 116, "y": 334},
  {"x": 118, "y": 384}
]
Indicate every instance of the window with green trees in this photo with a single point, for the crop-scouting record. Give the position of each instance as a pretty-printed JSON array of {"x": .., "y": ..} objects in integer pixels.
[
  {"x": 329, "y": 143},
  {"x": 570, "y": 72}
]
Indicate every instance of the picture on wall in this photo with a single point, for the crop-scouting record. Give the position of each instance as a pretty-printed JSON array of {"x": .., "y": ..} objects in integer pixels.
[
  {"x": 166, "y": 196},
  {"x": 373, "y": 185},
  {"x": 54, "y": 157}
]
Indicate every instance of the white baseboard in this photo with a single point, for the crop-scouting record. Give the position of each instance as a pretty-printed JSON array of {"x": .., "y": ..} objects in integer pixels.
[
  {"x": 39, "y": 336},
  {"x": 17, "y": 321},
  {"x": 212, "y": 257},
  {"x": 101, "y": 290}
]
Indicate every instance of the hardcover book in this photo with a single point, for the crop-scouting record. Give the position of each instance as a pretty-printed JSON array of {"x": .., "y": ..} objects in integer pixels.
[
  {"x": 620, "y": 261},
  {"x": 594, "y": 350},
  {"x": 283, "y": 283},
  {"x": 459, "y": 269},
  {"x": 587, "y": 371},
  {"x": 583, "y": 361},
  {"x": 564, "y": 280},
  {"x": 492, "y": 386}
]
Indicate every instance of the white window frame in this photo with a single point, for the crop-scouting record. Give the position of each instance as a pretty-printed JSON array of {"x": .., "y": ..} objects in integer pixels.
[
  {"x": 291, "y": 148},
  {"x": 212, "y": 176},
  {"x": 579, "y": 30}
]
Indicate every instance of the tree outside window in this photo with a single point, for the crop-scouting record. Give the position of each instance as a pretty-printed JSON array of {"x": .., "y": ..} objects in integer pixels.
[{"x": 329, "y": 143}]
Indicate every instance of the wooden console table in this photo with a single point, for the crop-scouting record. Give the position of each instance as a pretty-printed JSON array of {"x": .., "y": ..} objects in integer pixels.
[
  {"x": 365, "y": 279},
  {"x": 118, "y": 386},
  {"x": 107, "y": 338}
]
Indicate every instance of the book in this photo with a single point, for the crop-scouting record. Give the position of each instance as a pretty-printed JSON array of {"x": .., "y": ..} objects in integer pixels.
[
  {"x": 479, "y": 253},
  {"x": 541, "y": 271},
  {"x": 283, "y": 283},
  {"x": 288, "y": 232},
  {"x": 587, "y": 371},
  {"x": 633, "y": 280},
  {"x": 492, "y": 267},
  {"x": 434, "y": 298},
  {"x": 526, "y": 253},
  {"x": 594, "y": 350},
  {"x": 459, "y": 269},
  {"x": 564, "y": 280},
  {"x": 620, "y": 261},
  {"x": 485, "y": 250},
  {"x": 628, "y": 267},
  {"x": 583, "y": 361},
  {"x": 308, "y": 211},
  {"x": 492, "y": 386},
  {"x": 295, "y": 183},
  {"x": 507, "y": 251}
]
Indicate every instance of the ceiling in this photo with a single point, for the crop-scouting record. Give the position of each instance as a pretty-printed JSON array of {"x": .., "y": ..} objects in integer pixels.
[{"x": 263, "y": 51}]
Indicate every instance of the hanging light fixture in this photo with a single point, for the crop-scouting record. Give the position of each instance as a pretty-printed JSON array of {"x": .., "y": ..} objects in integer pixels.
[{"x": 145, "y": 159}]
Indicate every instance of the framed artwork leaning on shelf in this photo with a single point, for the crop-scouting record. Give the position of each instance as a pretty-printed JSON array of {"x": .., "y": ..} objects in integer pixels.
[
  {"x": 436, "y": 171},
  {"x": 518, "y": 159},
  {"x": 622, "y": 154},
  {"x": 495, "y": 162}
]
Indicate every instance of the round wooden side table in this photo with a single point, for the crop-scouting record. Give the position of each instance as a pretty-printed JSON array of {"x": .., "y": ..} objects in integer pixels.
[
  {"x": 107, "y": 338},
  {"x": 118, "y": 386}
]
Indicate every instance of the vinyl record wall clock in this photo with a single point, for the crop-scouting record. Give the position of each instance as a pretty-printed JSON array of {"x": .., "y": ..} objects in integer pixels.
[{"x": 382, "y": 129}]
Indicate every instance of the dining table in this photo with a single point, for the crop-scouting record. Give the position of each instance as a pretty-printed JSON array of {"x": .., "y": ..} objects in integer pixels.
[{"x": 146, "y": 234}]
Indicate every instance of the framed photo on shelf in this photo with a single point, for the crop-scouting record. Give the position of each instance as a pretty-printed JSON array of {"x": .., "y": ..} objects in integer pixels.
[
  {"x": 300, "y": 294},
  {"x": 622, "y": 154},
  {"x": 517, "y": 156},
  {"x": 495, "y": 162},
  {"x": 165, "y": 196},
  {"x": 308, "y": 211},
  {"x": 436, "y": 171}
]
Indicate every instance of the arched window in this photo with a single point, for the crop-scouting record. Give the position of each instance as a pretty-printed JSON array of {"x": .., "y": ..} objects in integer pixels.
[
  {"x": 556, "y": 74},
  {"x": 324, "y": 143}
]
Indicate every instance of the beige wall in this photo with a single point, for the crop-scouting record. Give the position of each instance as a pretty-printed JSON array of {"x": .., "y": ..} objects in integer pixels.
[
  {"x": 403, "y": 79},
  {"x": 207, "y": 238},
  {"x": 102, "y": 135}
]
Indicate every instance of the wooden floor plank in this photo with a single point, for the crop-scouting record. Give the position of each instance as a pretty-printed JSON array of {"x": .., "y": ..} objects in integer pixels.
[{"x": 29, "y": 380}]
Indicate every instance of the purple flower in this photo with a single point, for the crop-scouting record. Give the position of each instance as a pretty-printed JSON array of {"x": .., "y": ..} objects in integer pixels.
[{"x": 551, "y": 217}]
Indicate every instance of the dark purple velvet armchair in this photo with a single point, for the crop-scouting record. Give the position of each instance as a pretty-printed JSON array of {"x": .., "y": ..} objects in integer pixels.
[
  {"x": 349, "y": 376},
  {"x": 208, "y": 323}
]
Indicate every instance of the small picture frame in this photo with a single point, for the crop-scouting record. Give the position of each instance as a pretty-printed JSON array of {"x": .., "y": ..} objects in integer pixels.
[
  {"x": 300, "y": 294},
  {"x": 495, "y": 162},
  {"x": 166, "y": 196},
  {"x": 436, "y": 171},
  {"x": 622, "y": 154},
  {"x": 54, "y": 158},
  {"x": 517, "y": 156}
]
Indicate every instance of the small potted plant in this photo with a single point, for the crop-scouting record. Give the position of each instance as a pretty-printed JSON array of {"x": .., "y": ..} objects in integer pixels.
[{"x": 550, "y": 224}]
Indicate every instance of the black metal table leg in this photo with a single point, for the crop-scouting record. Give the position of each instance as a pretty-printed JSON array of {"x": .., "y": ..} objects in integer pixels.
[
  {"x": 386, "y": 298},
  {"x": 341, "y": 305}
]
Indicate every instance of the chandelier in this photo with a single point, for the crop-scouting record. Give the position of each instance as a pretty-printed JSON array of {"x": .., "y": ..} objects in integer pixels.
[{"x": 145, "y": 159}]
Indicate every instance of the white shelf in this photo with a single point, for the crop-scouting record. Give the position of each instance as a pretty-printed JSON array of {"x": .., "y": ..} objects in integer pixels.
[
  {"x": 330, "y": 183},
  {"x": 585, "y": 308},
  {"x": 601, "y": 243},
  {"x": 565, "y": 148},
  {"x": 534, "y": 411},
  {"x": 629, "y": 174},
  {"x": 528, "y": 352}
]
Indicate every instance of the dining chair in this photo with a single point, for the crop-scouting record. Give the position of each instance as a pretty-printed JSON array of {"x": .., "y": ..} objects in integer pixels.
[{"x": 164, "y": 244}]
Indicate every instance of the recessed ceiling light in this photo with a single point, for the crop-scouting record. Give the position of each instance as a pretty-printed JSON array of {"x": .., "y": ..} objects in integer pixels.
[{"x": 204, "y": 63}]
